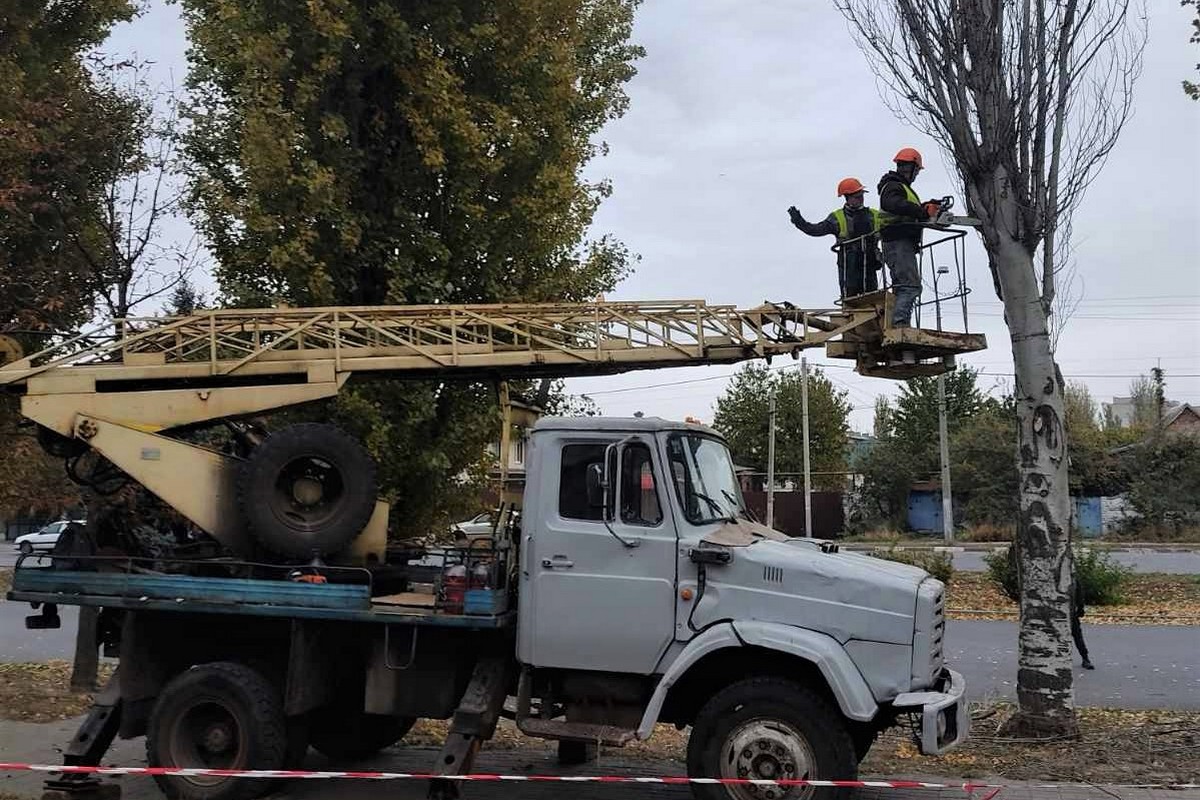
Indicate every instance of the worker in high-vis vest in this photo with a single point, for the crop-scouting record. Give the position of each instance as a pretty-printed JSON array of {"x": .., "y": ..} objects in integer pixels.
[
  {"x": 856, "y": 227},
  {"x": 901, "y": 232}
]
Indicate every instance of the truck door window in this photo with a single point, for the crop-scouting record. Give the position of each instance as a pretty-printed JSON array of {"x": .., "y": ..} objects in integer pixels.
[
  {"x": 639, "y": 491},
  {"x": 572, "y": 481}
]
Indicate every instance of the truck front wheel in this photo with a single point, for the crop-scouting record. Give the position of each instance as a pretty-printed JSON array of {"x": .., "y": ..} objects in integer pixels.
[
  {"x": 769, "y": 729},
  {"x": 218, "y": 716}
]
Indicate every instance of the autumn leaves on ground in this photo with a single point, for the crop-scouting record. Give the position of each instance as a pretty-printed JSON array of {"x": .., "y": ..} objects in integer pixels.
[{"x": 1148, "y": 600}]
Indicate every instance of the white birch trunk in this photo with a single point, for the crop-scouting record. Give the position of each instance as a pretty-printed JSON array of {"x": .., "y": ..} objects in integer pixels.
[{"x": 1044, "y": 680}]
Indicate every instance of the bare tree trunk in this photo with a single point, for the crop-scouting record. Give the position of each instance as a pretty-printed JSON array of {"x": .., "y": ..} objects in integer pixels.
[{"x": 1044, "y": 684}]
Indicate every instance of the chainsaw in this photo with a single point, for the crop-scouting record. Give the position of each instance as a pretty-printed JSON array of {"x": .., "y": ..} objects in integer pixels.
[{"x": 944, "y": 218}]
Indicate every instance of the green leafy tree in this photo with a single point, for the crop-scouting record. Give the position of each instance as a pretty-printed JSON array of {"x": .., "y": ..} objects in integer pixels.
[
  {"x": 1082, "y": 412},
  {"x": 368, "y": 152},
  {"x": 887, "y": 472},
  {"x": 982, "y": 472},
  {"x": 1165, "y": 482},
  {"x": 61, "y": 129},
  {"x": 915, "y": 423},
  {"x": 742, "y": 417}
]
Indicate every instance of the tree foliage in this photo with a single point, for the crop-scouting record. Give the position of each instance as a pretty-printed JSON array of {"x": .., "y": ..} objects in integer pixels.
[
  {"x": 371, "y": 152},
  {"x": 743, "y": 418},
  {"x": 60, "y": 126}
]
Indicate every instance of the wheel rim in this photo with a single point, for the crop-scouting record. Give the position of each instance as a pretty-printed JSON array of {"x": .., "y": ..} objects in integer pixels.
[
  {"x": 26, "y": 548},
  {"x": 768, "y": 749},
  {"x": 207, "y": 735},
  {"x": 308, "y": 493}
]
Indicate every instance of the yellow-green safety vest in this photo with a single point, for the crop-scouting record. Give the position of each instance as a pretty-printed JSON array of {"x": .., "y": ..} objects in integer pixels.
[
  {"x": 877, "y": 221},
  {"x": 891, "y": 219}
]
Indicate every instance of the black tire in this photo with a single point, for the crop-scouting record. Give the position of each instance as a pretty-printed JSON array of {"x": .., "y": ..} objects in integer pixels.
[
  {"x": 788, "y": 723},
  {"x": 221, "y": 715},
  {"x": 573, "y": 753},
  {"x": 307, "y": 491},
  {"x": 347, "y": 736},
  {"x": 26, "y": 548},
  {"x": 864, "y": 739}
]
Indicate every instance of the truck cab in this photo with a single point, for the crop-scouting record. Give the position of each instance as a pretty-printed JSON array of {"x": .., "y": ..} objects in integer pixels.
[{"x": 648, "y": 593}]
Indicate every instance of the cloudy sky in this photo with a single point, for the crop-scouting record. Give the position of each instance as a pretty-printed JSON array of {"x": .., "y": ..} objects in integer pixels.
[{"x": 741, "y": 109}]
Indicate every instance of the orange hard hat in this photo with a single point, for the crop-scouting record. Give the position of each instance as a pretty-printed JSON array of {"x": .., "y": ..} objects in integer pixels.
[
  {"x": 909, "y": 154},
  {"x": 850, "y": 186}
]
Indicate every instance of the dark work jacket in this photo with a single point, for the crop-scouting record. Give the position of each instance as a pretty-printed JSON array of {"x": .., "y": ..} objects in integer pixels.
[
  {"x": 860, "y": 223},
  {"x": 894, "y": 200}
]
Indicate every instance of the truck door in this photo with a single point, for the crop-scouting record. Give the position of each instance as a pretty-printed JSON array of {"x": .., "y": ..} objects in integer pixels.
[{"x": 599, "y": 603}]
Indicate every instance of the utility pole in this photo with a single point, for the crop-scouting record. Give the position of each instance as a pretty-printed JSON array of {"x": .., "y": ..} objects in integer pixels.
[
  {"x": 771, "y": 463},
  {"x": 807, "y": 474},
  {"x": 947, "y": 498}
]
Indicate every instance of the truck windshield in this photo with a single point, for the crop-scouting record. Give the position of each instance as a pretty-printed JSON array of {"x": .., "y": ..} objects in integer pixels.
[{"x": 702, "y": 472}]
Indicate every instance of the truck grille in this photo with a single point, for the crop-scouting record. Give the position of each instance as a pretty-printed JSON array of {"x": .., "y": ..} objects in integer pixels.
[
  {"x": 937, "y": 636},
  {"x": 929, "y": 634}
]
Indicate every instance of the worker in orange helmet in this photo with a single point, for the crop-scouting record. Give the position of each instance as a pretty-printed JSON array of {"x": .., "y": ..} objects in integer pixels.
[
  {"x": 901, "y": 233},
  {"x": 856, "y": 227}
]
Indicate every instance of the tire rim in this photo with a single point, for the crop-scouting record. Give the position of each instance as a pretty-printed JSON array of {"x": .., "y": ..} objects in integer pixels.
[
  {"x": 308, "y": 493},
  {"x": 768, "y": 749},
  {"x": 207, "y": 735}
]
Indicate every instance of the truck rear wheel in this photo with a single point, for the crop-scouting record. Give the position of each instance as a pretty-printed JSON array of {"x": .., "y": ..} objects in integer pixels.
[
  {"x": 769, "y": 729},
  {"x": 342, "y": 736},
  {"x": 220, "y": 716},
  {"x": 307, "y": 490}
]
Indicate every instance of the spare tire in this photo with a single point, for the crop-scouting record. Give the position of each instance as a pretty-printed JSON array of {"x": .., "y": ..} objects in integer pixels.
[{"x": 307, "y": 490}]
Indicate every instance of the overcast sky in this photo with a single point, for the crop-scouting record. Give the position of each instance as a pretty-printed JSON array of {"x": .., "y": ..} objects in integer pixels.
[{"x": 741, "y": 109}]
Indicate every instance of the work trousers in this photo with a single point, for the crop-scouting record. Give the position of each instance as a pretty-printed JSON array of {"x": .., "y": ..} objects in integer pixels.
[
  {"x": 901, "y": 257},
  {"x": 855, "y": 277},
  {"x": 1077, "y": 635}
]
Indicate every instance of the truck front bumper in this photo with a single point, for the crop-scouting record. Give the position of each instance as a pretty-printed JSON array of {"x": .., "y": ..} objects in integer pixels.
[{"x": 945, "y": 718}]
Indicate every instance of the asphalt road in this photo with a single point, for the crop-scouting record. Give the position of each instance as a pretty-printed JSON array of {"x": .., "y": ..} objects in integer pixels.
[
  {"x": 1137, "y": 666},
  {"x": 9, "y": 555},
  {"x": 18, "y": 644}
]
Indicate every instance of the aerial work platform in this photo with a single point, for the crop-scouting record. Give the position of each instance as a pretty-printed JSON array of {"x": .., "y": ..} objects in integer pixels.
[{"x": 293, "y": 347}]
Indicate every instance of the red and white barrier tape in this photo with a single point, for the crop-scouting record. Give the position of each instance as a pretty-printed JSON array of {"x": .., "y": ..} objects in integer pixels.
[
  {"x": 481, "y": 777},
  {"x": 618, "y": 779}
]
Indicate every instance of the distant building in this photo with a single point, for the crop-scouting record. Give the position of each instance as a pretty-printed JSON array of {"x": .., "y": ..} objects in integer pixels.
[
  {"x": 1183, "y": 419},
  {"x": 1124, "y": 411}
]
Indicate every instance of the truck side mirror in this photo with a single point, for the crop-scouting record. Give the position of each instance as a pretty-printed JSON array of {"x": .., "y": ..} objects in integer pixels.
[{"x": 595, "y": 485}]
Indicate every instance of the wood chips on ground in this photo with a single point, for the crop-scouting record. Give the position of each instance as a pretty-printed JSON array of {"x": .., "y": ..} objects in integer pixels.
[{"x": 1149, "y": 600}]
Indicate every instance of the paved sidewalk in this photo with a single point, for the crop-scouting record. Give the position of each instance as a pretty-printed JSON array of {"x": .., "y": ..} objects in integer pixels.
[{"x": 24, "y": 742}]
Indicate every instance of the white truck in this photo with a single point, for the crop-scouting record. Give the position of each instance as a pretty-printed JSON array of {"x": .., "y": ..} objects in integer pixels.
[{"x": 632, "y": 589}]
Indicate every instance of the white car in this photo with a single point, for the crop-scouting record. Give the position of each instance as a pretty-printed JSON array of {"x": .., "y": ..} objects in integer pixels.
[
  {"x": 44, "y": 539},
  {"x": 476, "y": 526}
]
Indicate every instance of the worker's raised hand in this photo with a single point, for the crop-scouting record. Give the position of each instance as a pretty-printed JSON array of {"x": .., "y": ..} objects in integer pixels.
[{"x": 796, "y": 216}]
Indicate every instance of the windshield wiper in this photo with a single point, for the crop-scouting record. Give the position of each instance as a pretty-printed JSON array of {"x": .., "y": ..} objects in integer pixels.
[
  {"x": 742, "y": 509},
  {"x": 722, "y": 512}
]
